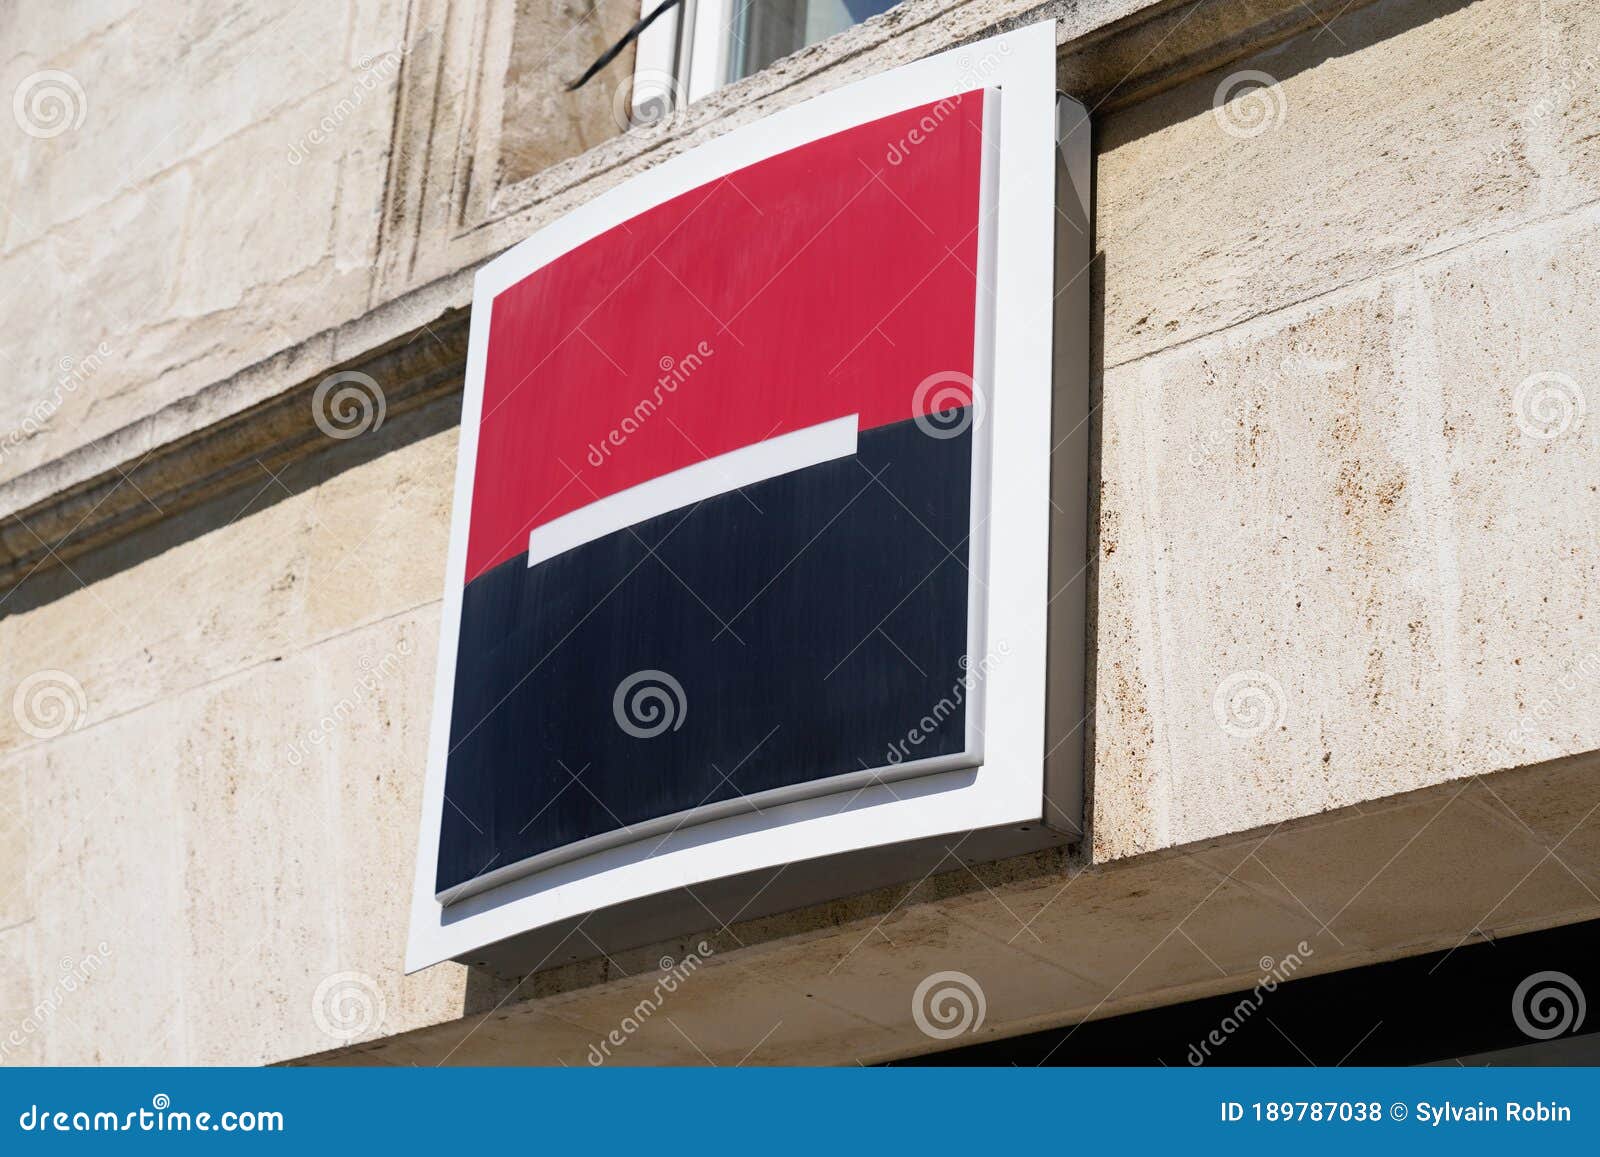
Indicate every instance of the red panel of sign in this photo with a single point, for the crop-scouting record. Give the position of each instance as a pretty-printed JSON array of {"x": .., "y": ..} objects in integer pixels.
[{"x": 825, "y": 281}]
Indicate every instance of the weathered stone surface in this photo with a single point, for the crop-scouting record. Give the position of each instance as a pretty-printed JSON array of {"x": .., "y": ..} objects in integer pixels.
[
  {"x": 1145, "y": 927},
  {"x": 22, "y": 1030},
  {"x": 1562, "y": 812},
  {"x": 239, "y": 63},
  {"x": 743, "y": 1014},
  {"x": 1340, "y": 558},
  {"x": 42, "y": 29},
  {"x": 865, "y": 972},
  {"x": 108, "y": 871},
  {"x": 272, "y": 569},
  {"x": 551, "y": 44},
  {"x": 1342, "y": 169},
  {"x": 16, "y": 851},
  {"x": 222, "y": 845},
  {"x": 206, "y": 224},
  {"x": 1418, "y": 851},
  {"x": 64, "y": 355},
  {"x": 333, "y": 743}
]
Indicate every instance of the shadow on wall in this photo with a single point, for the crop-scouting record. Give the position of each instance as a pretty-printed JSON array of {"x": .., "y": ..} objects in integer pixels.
[
  {"x": 256, "y": 492},
  {"x": 1512, "y": 1001},
  {"x": 1133, "y": 106}
]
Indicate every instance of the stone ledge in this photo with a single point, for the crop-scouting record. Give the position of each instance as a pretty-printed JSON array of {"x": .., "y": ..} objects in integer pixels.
[
  {"x": 209, "y": 444},
  {"x": 1054, "y": 942}
]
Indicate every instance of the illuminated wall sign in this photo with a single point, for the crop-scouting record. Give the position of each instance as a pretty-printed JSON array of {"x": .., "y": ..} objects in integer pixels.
[{"x": 749, "y": 560}]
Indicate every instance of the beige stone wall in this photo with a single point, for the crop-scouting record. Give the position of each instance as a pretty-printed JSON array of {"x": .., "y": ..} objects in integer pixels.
[
  {"x": 1313, "y": 479},
  {"x": 209, "y": 785},
  {"x": 1320, "y": 480},
  {"x": 178, "y": 192},
  {"x": 230, "y": 811},
  {"x": 214, "y": 182}
]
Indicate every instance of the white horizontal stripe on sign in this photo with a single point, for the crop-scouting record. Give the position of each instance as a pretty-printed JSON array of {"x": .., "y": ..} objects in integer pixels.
[{"x": 731, "y": 471}]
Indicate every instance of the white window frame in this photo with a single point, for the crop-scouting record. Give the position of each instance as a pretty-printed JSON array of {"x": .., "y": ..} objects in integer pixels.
[{"x": 689, "y": 44}]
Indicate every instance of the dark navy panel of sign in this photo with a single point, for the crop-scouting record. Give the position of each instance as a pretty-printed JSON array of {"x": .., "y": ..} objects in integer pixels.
[{"x": 793, "y": 631}]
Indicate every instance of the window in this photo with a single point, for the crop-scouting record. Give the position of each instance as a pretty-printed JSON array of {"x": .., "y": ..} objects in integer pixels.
[
  {"x": 706, "y": 44},
  {"x": 763, "y": 31}
]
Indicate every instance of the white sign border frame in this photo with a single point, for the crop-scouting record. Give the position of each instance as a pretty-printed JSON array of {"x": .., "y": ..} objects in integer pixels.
[{"x": 1008, "y": 787}]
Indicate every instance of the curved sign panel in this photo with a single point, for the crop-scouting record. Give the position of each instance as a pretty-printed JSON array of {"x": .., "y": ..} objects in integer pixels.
[{"x": 726, "y": 541}]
